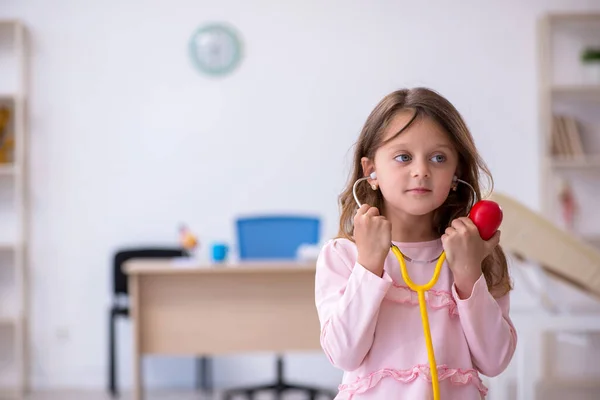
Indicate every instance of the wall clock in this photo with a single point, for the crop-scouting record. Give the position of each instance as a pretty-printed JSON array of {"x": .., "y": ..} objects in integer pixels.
[{"x": 215, "y": 49}]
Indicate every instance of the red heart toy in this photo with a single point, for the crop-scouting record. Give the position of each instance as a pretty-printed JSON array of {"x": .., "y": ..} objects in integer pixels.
[{"x": 487, "y": 217}]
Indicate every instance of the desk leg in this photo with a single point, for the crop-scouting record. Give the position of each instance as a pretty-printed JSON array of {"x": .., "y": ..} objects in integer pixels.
[
  {"x": 134, "y": 298},
  {"x": 138, "y": 386}
]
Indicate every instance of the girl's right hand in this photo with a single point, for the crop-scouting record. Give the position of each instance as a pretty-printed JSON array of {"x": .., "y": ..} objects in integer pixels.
[{"x": 373, "y": 235}]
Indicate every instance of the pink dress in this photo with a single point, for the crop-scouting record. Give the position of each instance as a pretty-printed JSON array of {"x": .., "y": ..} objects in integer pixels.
[{"x": 371, "y": 327}]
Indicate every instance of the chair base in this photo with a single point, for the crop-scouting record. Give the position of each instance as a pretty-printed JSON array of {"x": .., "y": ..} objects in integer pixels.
[{"x": 279, "y": 387}]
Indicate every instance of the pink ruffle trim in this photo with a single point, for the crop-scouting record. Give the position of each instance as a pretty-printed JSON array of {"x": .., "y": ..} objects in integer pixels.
[
  {"x": 436, "y": 299},
  {"x": 456, "y": 376}
]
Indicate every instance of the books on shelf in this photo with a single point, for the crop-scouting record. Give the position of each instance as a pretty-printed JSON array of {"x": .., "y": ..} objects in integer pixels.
[
  {"x": 566, "y": 137},
  {"x": 7, "y": 140}
]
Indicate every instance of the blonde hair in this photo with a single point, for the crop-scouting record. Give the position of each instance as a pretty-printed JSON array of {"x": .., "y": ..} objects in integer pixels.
[{"x": 425, "y": 103}]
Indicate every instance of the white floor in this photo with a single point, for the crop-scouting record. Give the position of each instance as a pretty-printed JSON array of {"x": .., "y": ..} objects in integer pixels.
[
  {"x": 183, "y": 395},
  {"x": 546, "y": 393}
]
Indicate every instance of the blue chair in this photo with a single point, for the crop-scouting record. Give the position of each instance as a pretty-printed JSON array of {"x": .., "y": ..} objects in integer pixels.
[{"x": 276, "y": 237}]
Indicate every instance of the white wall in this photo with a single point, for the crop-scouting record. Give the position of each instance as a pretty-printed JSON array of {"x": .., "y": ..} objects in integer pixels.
[{"x": 128, "y": 139}]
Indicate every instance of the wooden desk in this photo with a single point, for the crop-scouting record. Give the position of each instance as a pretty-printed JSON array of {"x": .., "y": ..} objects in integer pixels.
[{"x": 181, "y": 309}]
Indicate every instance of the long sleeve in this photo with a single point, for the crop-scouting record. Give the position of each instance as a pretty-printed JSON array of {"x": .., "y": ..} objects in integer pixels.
[
  {"x": 347, "y": 298},
  {"x": 488, "y": 329}
]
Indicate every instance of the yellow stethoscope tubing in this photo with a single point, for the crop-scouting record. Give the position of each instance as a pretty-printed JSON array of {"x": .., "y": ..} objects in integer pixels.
[{"x": 421, "y": 289}]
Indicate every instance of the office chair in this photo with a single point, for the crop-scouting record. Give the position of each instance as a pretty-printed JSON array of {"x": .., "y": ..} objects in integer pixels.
[
  {"x": 120, "y": 292},
  {"x": 276, "y": 238}
]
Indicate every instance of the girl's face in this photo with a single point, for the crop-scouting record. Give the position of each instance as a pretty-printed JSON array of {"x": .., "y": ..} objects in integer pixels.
[{"x": 415, "y": 169}]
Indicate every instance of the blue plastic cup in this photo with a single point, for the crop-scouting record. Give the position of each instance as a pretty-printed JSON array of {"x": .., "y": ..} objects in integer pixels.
[{"x": 219, "y": 252}]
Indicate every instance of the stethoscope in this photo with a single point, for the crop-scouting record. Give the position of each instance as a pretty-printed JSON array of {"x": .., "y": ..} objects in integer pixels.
[{"x": 420, "y": 289}]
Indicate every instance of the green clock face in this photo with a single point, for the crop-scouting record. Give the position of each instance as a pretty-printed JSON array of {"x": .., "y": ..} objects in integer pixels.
[{"x": 215, "y": 49}]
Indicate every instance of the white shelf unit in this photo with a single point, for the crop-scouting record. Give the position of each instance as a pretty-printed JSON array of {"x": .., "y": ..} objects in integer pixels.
[
  {"x": 13, "y": 212},
  {"x": 565, "y": 89}
]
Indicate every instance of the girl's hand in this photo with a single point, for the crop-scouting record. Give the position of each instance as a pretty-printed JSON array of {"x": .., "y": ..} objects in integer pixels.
[
  {"x": 373, "y": 235},
  {"x": 465, "y": 251}
]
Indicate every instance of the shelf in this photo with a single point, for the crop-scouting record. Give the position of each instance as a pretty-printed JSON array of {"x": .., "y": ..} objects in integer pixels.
[
  {"x": 10, "y": 393},
  {"x": 10, "y": 22},
  {"x": 574, "y": 21},
  {"x": 574, "y": 17},
  {"x": 577, "y": 92},
  {"x": 576, "y": 89},
  {"x": 7, "y": 97},
  {"x": 8, "y": 321},
  {"x": 8, "y": 170},
  {"x": 565, "y": 388},
  {"x": 588, "y": 162},
  {"x": 5, "y": 246},
  {"x": 574, "y": 383}
]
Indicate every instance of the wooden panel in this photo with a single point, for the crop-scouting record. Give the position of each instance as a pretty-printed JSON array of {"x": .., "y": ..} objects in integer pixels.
[
  {"x": 184, "y": 314},
  {"x": 528, "y": 234}
]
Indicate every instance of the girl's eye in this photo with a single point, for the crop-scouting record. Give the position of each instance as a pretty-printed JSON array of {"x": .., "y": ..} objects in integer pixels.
[
  {"x": 403, "y": 158},
  {"x": 438, "y": 158}
]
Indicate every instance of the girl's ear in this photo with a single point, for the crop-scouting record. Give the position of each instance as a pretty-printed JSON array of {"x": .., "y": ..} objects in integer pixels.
[
  {"x": 368, "y": 166},
  {"x": 458, "y": 172}
]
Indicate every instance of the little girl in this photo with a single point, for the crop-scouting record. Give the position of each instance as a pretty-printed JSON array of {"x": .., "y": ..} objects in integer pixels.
[{"x": 419, "y": 147}]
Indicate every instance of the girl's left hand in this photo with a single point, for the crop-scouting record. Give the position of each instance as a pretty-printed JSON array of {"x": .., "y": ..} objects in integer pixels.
[{"x": 465, "y": 251}]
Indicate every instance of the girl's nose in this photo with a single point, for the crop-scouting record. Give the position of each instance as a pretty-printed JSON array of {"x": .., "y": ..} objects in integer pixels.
[{"x": 420, "y": 169}]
